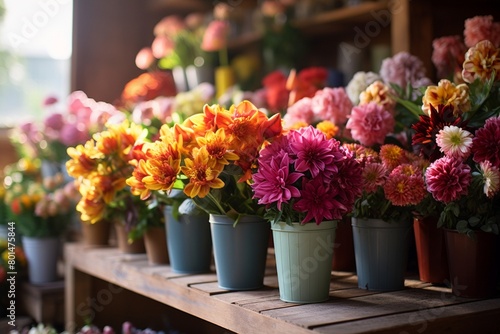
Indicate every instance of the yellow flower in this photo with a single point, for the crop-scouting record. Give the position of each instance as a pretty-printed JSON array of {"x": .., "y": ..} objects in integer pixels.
[
  {"x": 328, "y": 128},
  {"x": 201, "y": 176},
  {"x": 83, "y": 159},
  {"x": 481, "y": 61},
  {"x": 446, "y": 93},
  {"x": 162, "y": 167},
  {"x": 379, "y": 93}
]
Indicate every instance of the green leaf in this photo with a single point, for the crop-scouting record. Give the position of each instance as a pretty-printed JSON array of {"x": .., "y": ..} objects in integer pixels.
[{"x": 462, "y": 226}]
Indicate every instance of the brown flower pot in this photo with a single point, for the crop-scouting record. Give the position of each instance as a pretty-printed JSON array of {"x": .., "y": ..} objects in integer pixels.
[
  {"x": 96, "y": 234},
  {"x": 135, "y": 247},
  {"x": 155, "y": 240},
  {"x": 473, "y": 263},
  {"x": 343, "y": 253},
  {"x": 431, "y": 250}
]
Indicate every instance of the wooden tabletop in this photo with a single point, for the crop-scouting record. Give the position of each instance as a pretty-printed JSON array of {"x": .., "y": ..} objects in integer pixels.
[{"x": 419, "y": 308}]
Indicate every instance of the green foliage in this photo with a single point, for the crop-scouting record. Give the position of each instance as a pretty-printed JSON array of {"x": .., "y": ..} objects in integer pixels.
[{"x": 375, "y": 205}]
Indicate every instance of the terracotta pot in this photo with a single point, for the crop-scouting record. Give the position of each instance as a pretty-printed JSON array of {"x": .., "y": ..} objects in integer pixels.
[
  {"x": 431, "y": 250},
  {"x": 135, "y": 247},
  {"x": 155, "y": 241},
  {"x": 96, "y": 234},
  {"x": 343, "y": 253},
  {"x": 473, "y": 263}
]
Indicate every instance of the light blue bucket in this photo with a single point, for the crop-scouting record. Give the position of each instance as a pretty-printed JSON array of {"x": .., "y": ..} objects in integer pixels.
[
  {"x": 381, "y": 251},
  {"x": 304, "y": 260},
  {"x": 240, "y": 252},
  {"x": 189, "y": 242}
]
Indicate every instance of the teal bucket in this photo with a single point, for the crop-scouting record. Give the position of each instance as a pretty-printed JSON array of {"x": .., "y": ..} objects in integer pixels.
[
  {"x": 240, "y": 251},
  {"x": 304, "y": 260},
  {"x": 381, "y": 251},
  {"x": 189, "y": 242}
]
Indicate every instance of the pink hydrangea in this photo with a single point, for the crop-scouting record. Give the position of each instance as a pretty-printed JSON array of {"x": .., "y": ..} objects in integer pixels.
[
  {"x": 332, "y": 104},
  {"x": 370, "y": 123},
  {"x": 215, "y": 37},
  {"x": 403, "y": 69},
  {"x": 300, "y": 111},
  {"x": 448, "y": 55},
  {"x": 481, "y": 28},
  {"x": 448, "y": 179}
]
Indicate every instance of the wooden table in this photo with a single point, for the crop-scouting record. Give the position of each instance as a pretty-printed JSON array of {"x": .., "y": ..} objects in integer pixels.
[{"x": 419, "y": 308}]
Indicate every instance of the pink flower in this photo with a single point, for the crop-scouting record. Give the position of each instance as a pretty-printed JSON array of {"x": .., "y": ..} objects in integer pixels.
[
  {"x": 485, "y": 143},
  {"x": 300, "y": 111},
  {"x": 403, "y": 69},
  {"x": 370, "y": 123},
  {"x": 481, "y": 28},
  {"x": 73, "y": 134},
  {"x": 332, "y": 104},
  {"x": 274, "y": 182},
  {"x": 54, "y": 121},
  {"x": 144, "y": 58},
  {"x": 374, "y": 176},
  {"x": 314, "y": 153},
  {"x": 448, "y": 179},
  {"x": 316, "y": 191},
  {"x": 169, "y": 26},
  {"x": 215, "y": 37},
  {"x": 454, "y": 141},
  {"x": 50, "y": 100},
  {"x": 491, "y": 178},
  {"x": 162, "y": 46},
  {"x": 448, "y": 55},
  {"x": 404, "y": 186}
]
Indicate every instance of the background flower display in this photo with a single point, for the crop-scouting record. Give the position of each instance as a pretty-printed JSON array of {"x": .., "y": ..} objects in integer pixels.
[
  {"x": 40, "y": 207},
  {"x": 64, "y": 125}
]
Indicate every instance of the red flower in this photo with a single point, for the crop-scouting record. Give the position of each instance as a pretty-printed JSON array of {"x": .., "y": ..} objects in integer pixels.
[{"x": 485, "y": 143}]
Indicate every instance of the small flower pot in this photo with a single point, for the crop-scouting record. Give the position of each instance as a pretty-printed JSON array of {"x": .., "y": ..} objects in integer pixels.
[
  {"x": 134, "y": 247},
  {"x": 96, "y": 234},
  {"x": 155, "y": 242},
  {"x": 42, "y": 254}
]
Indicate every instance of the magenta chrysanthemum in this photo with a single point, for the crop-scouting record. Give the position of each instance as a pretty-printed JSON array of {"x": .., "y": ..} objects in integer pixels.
[
  {"x": 370, "y": 124},
  {"x": 314, "y": 153},
  {"x": 485, "y": 143},
  {"x": 274, "y": 182},
  {"x": 448, "y": 179},
  {"x": 318, "y": 200}
]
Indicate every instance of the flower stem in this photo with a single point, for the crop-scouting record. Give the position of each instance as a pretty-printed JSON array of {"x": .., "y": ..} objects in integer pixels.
[{"x": 214, "y": 200}]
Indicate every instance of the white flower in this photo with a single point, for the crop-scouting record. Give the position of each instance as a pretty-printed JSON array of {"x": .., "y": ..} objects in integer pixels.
[
  {"x": 359, "y": 82},
  {"x": 454, "y": 141}
]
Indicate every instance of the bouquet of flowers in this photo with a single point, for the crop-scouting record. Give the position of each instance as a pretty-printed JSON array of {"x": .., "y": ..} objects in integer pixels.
[
  {"x": 101, "y": 167},
  {"x": 39, "y": 207},
  {"x": 459, "y": 133},
  {"x": 305, "y": 177},
  {"x": 210, "y": 156}
]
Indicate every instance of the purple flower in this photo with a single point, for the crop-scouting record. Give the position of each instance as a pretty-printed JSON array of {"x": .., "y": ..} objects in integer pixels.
[
  {"x": 403, "y": 69},
  {"x": 55, "y": 121}
]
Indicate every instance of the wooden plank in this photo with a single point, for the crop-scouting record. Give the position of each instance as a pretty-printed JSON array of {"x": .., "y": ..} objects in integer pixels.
[
  {"x": 471, "y": 317},
  {"x": 375, "y": 305}
]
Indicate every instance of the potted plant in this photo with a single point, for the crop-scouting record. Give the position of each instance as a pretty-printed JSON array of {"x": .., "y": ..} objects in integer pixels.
[
  {"x": 40, "y": 211},
  {"x": 101, "y": 167},
  {"x": 307, "y": 183},
  {"x": 460, "y": 134},
  {"x": 210, "y": 157}
]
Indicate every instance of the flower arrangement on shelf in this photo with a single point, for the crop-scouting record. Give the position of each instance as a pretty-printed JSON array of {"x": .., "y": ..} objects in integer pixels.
[
  {"x": 64, "y": 125},
  {"x": 101, "y": 166},
  {"x": 459, "y": 133},
  {"x": 40, "y": 207},
  {"x": 393, "y": 183},
  {"x": 210, "y": 156},
  {"x": 306, "y": 177}
]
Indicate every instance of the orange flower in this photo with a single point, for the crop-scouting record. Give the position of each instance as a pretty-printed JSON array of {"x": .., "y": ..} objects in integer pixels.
[
  {"x": 162, "y": 167},
  {"x": 137, "y": 187},
  {"x": 392, "y": 156},
  {"x": 201, "y": 176},
  {"x": 328, "y": 128},
  {"x": 446, "y": 93},
  {"x": 91, "y": 210},
  {"x": 83, "y": 159},
  {"x": 218, "y": 148}
]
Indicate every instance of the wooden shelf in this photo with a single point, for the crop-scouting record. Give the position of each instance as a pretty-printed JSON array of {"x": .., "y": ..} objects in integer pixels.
[
  {"x": 352, "y": 310},
  {"x": 180, "y": 5},
  {"x": 340, "y": 19}
]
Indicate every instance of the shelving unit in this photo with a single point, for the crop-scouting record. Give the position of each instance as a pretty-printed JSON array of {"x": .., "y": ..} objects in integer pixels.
[{"x": 419, "y": 307}]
